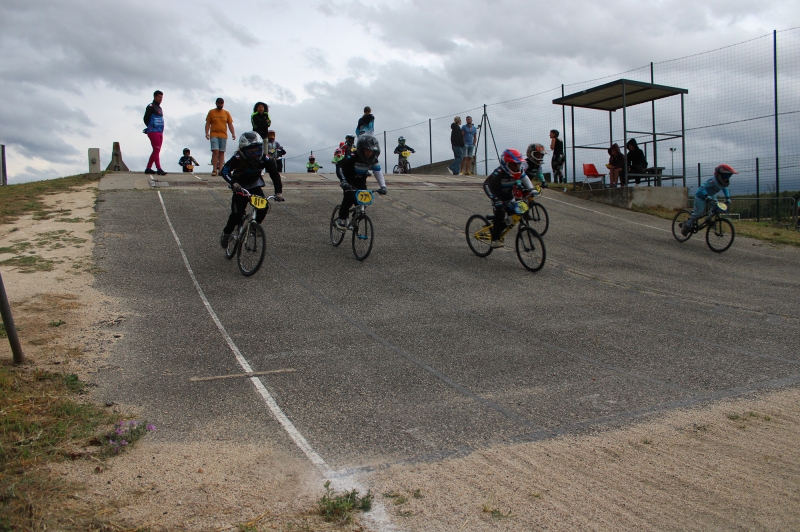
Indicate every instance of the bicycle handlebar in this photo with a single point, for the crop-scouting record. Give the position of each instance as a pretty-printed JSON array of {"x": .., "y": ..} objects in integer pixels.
[{"x": 246, "y": 193}]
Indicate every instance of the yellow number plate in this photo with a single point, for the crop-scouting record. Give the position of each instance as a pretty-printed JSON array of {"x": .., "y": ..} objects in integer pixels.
[
  {"x": 258, "y": 202},
  {"x": 405, "y": 153},
  {"x": 722, "y": 206},
  {"x": 364, "y": 197},
  {"x": 522, "y": 207}
]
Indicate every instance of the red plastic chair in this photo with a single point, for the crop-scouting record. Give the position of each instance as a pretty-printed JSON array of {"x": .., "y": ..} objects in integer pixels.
[{"x": 590, "y": 172}]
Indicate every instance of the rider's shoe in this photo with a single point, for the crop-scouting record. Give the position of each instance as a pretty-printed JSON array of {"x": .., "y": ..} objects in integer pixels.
[
  {"x": 686, "y": 229},
  {"x": 161, "y": 172},
  {"x": 340, "y": 224},
  {"x": 224, "y": 239},
  {"x": 497, "y": 243}
]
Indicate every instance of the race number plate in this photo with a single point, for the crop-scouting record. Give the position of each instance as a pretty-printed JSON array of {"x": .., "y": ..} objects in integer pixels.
[
  {"x": 258, "y": 202},
  {"x": 721, "y": 206},
  {"x": 364, "y": 197}
]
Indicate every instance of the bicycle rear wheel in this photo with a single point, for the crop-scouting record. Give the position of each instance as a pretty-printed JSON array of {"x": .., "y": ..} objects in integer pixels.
[
  {"x": 251, "y": 249},
  {"x": 681, "y": 218},
  {"x": 396, "y": 169},
  {"x": 530, "y": 249},
  {"x": 720, "y": 235},
  {"x": 233, "y": 242},
  {"x": 362, "y": 236},
  {"x": 336, "y": 235},
  {"x": 538, "y": 218},
  {"x": 479, "y": 235}
]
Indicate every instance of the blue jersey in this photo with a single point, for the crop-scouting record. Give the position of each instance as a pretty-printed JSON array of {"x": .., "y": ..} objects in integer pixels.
[
  {"x": 711, "y": 188},
  {"x": 154, "y": 118}
]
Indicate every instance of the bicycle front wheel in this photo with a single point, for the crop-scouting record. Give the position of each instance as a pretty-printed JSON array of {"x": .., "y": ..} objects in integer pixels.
[
  {"x": 538, "y": 218},
  {"x": 479, "y": 235},
  {"x": 396, "y": 169},
  {"x": 530, "y": 249},
  {"x": 233, "y": 241},
  {"x": 362, "y": 236},
  {"x": 336, "y": 235},
  {"x": 681, "y": 218},
  {"x": 252, "y": 249},
  {"x": 719, "y": 235}
]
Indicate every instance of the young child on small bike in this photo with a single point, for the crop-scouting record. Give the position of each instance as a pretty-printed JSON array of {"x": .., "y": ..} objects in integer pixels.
[
  {"x": 535, "y": 157},
  {"x": 188, "y": 162},
  {"x": 499, "y": 186},
  {"x": 401, "y": 147},
  {"x": 349, "y": 144},
  {"x": 706, "y": 194},
  {"x": 312, "y": 166},
  {"x": 353, "y": 171},
  {"x": 243, "y": 171}
]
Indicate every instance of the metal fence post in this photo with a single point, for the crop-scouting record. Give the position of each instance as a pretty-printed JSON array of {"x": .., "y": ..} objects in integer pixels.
[
  {"x": 8, "y": 322},
  {"x": 430, "y": 139},
  {"x": 385, "y": 150},
  {"x": 564, "y": 136},
  {"x": 698, "y": 175},
  {"x": 775, "y": 85},
  {"x": 758, "y": 188},
  {"x": 3, "y": 175},
  {"x": 485, "y": 143}
]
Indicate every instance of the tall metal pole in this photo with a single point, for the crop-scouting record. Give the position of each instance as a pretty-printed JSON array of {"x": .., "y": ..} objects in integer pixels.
[
  {"x": 655, "y": 143},
  {"x": 564, "y": 135},
  {"x": 683, "y": 144},
  {"x": 699, "y": 178},
  {"x": 485, "y": 142},
  {"x": 775, "y": 85},
  {"x": 385, "y": 149},
  {"x": 430, "y": 139},
  {"x": 610, "y": 129},
  {"x": 758, "y": 189},
  {"x": 8, "y": 322},
  {"x": 572, "y": 130},
  {"x": 625, "y": 135},
  {"x": 3, "y": 175}
]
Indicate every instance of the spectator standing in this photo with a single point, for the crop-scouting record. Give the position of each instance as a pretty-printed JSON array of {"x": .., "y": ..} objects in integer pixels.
[
  {"x": 557, "y": 162},
  {"x": 616, "y": 164},
  {"x": 366, "y": 124},
  {"x": 218, "y": 121},
  {"x": 457, "y": 143},
  {"x": 154, "y": 120},
  {"x": 260, "y": 121},
  {"x": 470, "y": 136}
]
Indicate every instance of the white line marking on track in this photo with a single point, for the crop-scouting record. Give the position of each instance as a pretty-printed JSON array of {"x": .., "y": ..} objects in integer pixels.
[{"x": 285, "y": 422}]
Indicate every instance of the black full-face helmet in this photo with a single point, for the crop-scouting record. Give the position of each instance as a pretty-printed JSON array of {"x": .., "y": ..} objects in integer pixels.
[
  {"x": 251, "y": 146},
  {"x": 365, "y": 143}
]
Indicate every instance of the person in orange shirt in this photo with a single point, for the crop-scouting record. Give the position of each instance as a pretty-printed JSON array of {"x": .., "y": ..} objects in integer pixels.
[{"x": 217, "y": 123}]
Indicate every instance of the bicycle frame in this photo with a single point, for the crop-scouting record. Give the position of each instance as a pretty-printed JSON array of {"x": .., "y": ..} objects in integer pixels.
[{"x": 708, "y": 218}]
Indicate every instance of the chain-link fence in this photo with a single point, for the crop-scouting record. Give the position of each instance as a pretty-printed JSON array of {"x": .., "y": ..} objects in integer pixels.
[{"x": 743, "y": 104}]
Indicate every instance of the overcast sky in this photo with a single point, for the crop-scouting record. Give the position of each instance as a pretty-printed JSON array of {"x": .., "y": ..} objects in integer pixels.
[{"x": 77, "y": 74}]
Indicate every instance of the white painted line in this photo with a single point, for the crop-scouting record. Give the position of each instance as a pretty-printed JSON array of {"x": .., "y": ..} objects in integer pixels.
[{"x": 285, "y": 422}]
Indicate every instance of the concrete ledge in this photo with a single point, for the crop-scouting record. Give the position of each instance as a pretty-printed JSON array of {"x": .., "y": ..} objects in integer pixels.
[
  {"x": 437, "y": 168},
  {"x": 626, "y": 197}
]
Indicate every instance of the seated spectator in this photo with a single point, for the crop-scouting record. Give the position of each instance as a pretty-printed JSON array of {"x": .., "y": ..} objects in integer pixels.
[
  {"x": 616, "y": 164},
  {"x": 637, "y": 164}
]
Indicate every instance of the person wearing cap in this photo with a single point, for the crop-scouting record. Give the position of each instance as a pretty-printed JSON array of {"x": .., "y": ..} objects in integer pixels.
[{"x": 218, "y": 121}]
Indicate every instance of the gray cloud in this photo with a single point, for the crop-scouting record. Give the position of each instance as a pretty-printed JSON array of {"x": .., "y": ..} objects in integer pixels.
[{"x": 274, "y": 92}]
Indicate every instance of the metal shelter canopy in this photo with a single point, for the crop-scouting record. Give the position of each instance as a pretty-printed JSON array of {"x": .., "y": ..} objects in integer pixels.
[
  {"x": 612, "y": 96},
  {"x": 621, "y": 94}
]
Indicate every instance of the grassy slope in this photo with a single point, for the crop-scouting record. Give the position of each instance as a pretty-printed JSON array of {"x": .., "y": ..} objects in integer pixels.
[{"x": 26, "y": 198}]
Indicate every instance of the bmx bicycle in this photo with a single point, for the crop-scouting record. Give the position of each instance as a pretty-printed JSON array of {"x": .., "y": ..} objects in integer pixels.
[
  {"x": 359, "y": 223},
  {"x": 248, "y": 242},
  {"x": 719, "y": 230},
  {"x": 528, "y": 243}
]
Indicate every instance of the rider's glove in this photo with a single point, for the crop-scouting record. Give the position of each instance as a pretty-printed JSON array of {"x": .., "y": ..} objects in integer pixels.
[
  {"x": 345, "y": 185},
  {"x": 236, "y": 187},
  {"x": 728, "y": 202},
  {"x": 382, "y": 191},
  {"x": 279, "y": 197}
]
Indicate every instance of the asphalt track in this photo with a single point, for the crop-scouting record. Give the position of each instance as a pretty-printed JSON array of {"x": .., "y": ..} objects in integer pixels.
[{"x": 424, "y": 350}]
